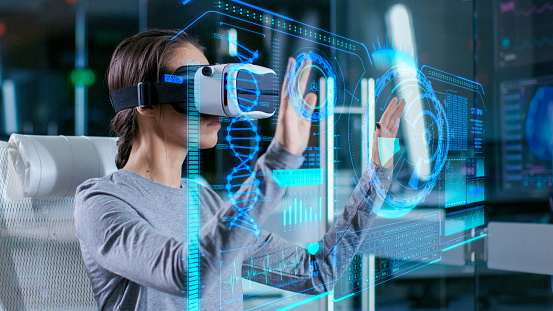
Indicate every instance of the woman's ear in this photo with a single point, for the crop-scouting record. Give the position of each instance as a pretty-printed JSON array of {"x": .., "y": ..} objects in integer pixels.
[{"x": 149, "y": 112}]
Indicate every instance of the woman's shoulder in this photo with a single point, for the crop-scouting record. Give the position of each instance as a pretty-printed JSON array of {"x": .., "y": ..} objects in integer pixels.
[
  {"x": 117, "y": 184},
  {"x": 209, "y": 199},
  {"x": 199, "y": 186}
]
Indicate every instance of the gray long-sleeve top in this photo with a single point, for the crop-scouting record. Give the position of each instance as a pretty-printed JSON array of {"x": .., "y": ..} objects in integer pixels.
[{"x": 132, "y": 233}]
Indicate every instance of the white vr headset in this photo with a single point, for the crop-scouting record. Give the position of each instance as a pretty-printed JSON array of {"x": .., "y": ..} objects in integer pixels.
[{"x": 226, "y": 90}]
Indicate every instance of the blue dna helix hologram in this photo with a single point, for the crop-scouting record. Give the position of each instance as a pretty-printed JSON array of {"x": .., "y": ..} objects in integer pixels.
[
  {"x": 244, "y": 148},
  {"x": 243, "y": 140}
]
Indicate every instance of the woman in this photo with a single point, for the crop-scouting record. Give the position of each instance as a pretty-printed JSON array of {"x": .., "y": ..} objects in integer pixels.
[{"x": 132, "y": 223}]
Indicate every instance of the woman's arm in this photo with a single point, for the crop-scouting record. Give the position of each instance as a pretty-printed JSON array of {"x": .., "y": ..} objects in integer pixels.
[
  {"x": 121, "y": 241},
  {"x": 285, "y": 265}
]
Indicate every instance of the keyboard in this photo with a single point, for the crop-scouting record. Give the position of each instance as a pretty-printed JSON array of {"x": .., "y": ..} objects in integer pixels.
[{"x": 400, "y": 248}]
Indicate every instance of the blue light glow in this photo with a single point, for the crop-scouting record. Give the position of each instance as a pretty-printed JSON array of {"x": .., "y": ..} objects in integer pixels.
[
  {"x": 299, "y": 177},
  {"x": 465, "y": 242}
]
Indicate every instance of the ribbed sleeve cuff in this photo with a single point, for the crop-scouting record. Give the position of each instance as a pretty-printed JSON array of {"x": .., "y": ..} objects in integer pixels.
[{"x": 384, "y": 174}]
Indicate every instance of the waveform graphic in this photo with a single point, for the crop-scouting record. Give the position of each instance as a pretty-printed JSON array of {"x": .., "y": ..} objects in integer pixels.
[
  {"x": 529, "y": 44},
  {"x": 535, "y": 10},
  {"x": 251, "y": 274},
  {"x": 507, "y": 6},
  {"x": 510, "y": 6}
]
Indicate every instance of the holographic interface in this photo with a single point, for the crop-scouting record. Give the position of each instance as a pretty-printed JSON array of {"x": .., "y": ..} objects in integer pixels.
[{"x": 433, "y": 196}]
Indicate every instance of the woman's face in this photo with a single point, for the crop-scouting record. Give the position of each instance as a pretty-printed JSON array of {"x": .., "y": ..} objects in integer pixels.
[{"x": 209, "y": 125}]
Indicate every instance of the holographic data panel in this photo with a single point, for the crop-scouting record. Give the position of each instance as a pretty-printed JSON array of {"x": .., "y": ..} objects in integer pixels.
[
  {"x": 244, "y": 33},
  {"x": 461, "y": 185}
]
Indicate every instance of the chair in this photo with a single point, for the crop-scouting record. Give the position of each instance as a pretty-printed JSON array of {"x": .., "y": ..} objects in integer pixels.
[{"x": 40, "y": 260}]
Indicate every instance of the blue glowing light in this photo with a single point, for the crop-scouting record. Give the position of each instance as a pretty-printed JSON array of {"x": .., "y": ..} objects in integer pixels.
[
  {"x": 299, "y": 177},
  {"x": 388, "y": 57}
]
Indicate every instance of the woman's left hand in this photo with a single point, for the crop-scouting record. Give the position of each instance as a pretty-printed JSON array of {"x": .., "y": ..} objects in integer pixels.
[
  {"x": 293, "y": 130},
  {"x": 387, "y": 127}
]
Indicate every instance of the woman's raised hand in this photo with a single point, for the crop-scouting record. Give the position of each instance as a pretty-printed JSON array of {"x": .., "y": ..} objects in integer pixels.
[
  {"x": 387, "y": 127},
  {"x": 293, "y": 129}
]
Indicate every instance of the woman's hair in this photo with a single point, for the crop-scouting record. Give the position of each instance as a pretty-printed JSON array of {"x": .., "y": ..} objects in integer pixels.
[{"x": 142, "y": 57}]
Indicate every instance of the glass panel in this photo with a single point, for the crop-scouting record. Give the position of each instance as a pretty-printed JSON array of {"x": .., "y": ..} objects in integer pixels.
[
  {"x": 424, "y": 53},
  {"x": 516, "y": 59}
]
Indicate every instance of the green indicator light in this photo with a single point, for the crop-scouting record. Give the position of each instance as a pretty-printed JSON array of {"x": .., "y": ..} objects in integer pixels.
[{"x": 84, "y": 77}]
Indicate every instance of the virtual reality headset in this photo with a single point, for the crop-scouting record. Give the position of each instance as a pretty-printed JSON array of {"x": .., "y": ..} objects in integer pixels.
[{"x": 226, "y": 90}]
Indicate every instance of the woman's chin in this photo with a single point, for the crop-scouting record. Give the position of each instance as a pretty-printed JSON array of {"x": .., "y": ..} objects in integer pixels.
[{"x": 208, "y": 143}]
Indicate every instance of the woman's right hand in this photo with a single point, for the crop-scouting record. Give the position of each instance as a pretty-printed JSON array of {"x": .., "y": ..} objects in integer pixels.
[{"x": 293, "y": 129}]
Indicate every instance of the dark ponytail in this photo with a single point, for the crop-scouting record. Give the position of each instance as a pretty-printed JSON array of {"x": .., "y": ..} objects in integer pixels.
[
  {"x": 125, "y": 126},
  {"x": 139, "y": 58}
]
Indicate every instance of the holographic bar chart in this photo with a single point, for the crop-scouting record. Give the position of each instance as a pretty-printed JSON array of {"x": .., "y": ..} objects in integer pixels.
[{"x": 302, "y": 210}]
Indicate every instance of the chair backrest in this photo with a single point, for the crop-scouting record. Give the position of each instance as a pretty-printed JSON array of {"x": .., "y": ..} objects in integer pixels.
[{"x": 41, "y": 267}]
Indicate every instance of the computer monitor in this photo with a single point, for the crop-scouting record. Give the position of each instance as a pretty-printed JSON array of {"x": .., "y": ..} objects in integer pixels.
[{"x": 526, "y": 107}]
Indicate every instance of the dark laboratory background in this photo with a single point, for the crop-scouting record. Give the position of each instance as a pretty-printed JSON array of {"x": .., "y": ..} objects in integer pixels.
[{"x": 49, "y": 48}]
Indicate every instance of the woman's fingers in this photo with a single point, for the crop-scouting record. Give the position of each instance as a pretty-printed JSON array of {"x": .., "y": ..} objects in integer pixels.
[
  {"x": 303, "y": 75},
  {"x": 292, "y": 129},
  {"x": 397, "y": 116},
  {"x": 385, "y": 119},
  {"x": 311, "y": 100},
  {"x": 392, "y": 115},
  {"x": 388, "y": 127},
  {"x": 284, "y": 91}
]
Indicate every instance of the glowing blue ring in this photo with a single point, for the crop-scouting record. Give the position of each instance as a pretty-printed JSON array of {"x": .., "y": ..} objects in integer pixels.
[
  {"x": 404, "y": 205},
  {"x": 298, "y": 86},
  {"x": 322, "y": 64}
]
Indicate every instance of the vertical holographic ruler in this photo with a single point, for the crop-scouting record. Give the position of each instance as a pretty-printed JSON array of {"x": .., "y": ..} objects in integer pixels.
[{"x": 193, "y": 201}]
